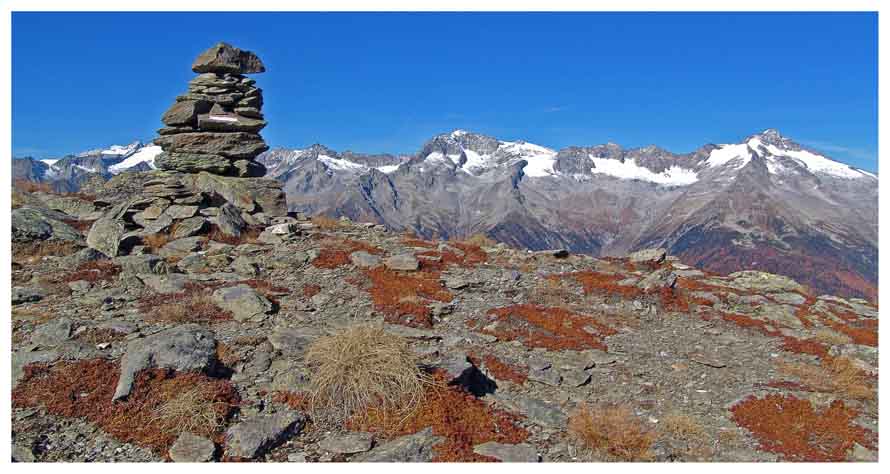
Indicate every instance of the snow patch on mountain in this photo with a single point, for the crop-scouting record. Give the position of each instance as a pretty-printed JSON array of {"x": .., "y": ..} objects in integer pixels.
[
  {"x": 818, "y": 163},
  {"x": 629, "y": 169},
  {"x": 113, "y": 150},
  {"x": 145, "y": 154},
  {"x": 737, "y": 154},
  {"x": 540, "y": 159}
]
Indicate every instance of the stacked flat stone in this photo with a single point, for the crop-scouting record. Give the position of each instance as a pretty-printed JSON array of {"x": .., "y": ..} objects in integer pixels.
[{"x": 215, "y": 126}]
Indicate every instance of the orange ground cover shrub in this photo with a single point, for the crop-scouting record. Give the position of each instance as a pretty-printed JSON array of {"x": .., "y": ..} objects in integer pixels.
[
  {"x": 797, "y": 431},
  {"x": 462, "y": 419},
  {"x": 550, "y": 328},
  {"x": 611, "y": 433},
  {"x": 335, "y": 253},
  {"x": 503, "y": 371},
  {"x": 864, "y": 332},
  {"x": 404, "y": 298},
  {"x": 310, "y": 290},
  {"x": 294, "y": 400},
  {"x": 600, "y": 283},
  {"x": 148, "y": 417},
  {"x": 789, "y": 344},
  {"x": 94, "y": 271}
]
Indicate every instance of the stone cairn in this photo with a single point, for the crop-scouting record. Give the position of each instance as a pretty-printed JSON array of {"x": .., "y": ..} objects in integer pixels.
[
  {"x": 207, "y": 174},
  {"x": 215, "y": 126}
]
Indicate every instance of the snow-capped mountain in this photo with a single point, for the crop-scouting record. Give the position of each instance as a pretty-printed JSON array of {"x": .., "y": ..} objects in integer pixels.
[
  {"x": 68, "y": 173},
  {"x": 765, "y": 202}
]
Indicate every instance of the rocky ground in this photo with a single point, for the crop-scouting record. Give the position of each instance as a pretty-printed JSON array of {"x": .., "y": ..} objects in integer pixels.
[{"x": 549, "y": 356}]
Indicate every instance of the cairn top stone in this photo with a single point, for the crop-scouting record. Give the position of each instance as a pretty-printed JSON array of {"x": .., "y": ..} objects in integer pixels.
[{"x": 224, "y": 58}]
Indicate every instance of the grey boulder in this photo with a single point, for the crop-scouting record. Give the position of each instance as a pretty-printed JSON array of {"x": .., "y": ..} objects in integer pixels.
[
  {"x": 243, "y": 301},
  {"x": 187, "y": 347},
  {"x": 251, "y": 437}
]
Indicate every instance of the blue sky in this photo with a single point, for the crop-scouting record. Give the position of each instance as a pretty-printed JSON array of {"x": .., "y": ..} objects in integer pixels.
[{"x": 386, "y": 82}]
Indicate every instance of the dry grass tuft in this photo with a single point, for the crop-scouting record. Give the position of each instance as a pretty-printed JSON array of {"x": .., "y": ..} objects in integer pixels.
[
  {"x": 837, "y": 375},
  {"x": 363, "y": 367},
  {"x": 248, "y": 236},
  {"x": 32, "y": 252},
  {"x": 830, "y": 337},
  {"x": 462, "y": 419},
  {"x": 684, "y": 433},
  {"x": 611, "y": 433},
  {"x": 156, "y": 241},
  {"x": 192, "y": 411}
]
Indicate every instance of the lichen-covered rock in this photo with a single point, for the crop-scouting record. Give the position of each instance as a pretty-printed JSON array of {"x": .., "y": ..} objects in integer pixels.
[
  {"x": 30, "y": 223},
  {"x": 185, "y": 347},
  {"x": 243, "y": 301},
  {"x": 192, "y": 448},
  {"x": 250, "y": 438},
  {"x": 417, "y": 447}
]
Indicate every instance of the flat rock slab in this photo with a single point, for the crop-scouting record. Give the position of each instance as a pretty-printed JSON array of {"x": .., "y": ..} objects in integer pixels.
[
  {"x": 348, "y": 443},
  {"x": 52, "y": 333},
  {"x": 251, "y": 437},
  {"x": 291, "y": 342},
  {"x": 404, "y": 262},
  {"x": 165, "y": 284},
  {"x": 508, "y": 452},
  {"x": 540, "y": 412},
  {"x": 417, "y": 447},
  {"x": 192, "y": 448},
  {"x": 364, "y": 259},
  {"x": 243, "y": 301},
  {"x": 22, "y": 295},
  {"x": 648, "y": 256}
]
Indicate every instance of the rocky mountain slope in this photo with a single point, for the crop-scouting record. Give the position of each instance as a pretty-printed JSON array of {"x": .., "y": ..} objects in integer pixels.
[
  {"x": 202, "y": 342},
  {"x": 70, "y": 173},
  {"x": 765, "y": 203}
]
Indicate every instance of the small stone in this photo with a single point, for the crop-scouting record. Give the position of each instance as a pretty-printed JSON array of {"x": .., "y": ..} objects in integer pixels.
[{"x": 192, "y": 448}]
